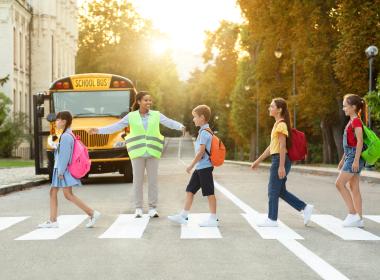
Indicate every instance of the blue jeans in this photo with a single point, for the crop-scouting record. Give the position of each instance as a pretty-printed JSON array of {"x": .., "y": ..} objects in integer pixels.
[{"x": 277, "y": 189}]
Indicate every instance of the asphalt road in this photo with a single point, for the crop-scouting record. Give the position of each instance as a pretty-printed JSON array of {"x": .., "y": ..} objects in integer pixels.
[{"x": 237, "y": 250}]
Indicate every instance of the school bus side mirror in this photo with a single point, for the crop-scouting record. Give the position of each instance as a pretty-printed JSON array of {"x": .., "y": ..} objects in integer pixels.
[{"x": 51, "y": 117}]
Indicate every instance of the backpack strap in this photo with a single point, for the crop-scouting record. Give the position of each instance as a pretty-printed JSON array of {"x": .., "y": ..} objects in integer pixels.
[{"x": 212, "y": 133}]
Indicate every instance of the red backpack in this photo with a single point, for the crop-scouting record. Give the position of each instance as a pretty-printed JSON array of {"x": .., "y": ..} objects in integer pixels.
[
  {"x": 217, "y": 152},
  {"x": 298, "y": 150}
]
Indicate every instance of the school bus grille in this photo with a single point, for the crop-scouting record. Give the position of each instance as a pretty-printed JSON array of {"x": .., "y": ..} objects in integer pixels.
[{"x": 96, "y": 140}]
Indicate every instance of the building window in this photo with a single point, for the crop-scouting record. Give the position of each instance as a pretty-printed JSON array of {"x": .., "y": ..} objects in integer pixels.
[
  {"x": 20, "y": 103},
  {"x": 21, "y": 51},
  {"x": 14, "y": 101},
  {"x": 26, "y": 104},
  {"x": 14, "y": 47}
]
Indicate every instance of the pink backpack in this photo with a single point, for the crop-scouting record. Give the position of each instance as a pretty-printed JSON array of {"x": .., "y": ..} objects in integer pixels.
[{"x": 80, "y": 161}]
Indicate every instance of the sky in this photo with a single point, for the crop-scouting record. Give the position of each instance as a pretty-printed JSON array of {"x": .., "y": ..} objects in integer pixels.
[{"x": 184, "y": 22}]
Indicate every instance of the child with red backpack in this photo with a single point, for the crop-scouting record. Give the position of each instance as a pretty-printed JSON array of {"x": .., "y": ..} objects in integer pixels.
[
  {"x": 203, "y": 162},
  {"x": 62, "y": 177},
  {"x": 280, "y": 145}
]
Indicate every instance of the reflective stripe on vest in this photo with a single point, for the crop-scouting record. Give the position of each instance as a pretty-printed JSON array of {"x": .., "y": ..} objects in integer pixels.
[{"x": 140, "y": 141}]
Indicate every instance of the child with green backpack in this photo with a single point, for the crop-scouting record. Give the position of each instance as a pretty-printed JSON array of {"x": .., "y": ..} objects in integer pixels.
[{"x": 360, "y": 145}]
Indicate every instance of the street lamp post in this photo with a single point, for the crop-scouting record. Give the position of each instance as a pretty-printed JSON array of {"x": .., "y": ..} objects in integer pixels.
[
  {"x": 247, "y": 88},
  {"x": 278, "y": 55},
  {"x": 370, "y": 52}
]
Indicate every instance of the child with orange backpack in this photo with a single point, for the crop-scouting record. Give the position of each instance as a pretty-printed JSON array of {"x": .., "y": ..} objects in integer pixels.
[{"x": 210, "y": 152}]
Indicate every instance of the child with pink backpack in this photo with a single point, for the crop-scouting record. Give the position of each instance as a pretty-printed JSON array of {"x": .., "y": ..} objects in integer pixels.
[{"x": 70, "y": 164}]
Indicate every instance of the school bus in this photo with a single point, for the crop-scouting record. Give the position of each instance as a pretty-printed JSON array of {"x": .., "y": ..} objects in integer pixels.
[{"x": 94, "y": 100}]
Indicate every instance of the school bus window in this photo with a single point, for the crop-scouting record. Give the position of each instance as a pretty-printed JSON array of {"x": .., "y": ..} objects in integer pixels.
[{"x": 88, "y": 103}]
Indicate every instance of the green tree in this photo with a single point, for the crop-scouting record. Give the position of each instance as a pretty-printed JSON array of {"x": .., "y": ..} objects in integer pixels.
[{"x": 12, "y": 130}]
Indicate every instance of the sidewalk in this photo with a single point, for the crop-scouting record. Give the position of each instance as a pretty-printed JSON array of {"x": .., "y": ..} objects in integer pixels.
[
  {"x": 370, "y": 176},
  {"x": 18, "y": 178}
]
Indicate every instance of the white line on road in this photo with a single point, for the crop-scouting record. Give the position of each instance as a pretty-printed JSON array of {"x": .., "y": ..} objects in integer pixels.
[
  {"x": 322, "y": 268},
  {"x": 66, "y": 224},
  {"x": 253, "y": 217},
  {"x": 6, "y": 222},
  {"x": 127, "y": 226},
  {"x": 317, "y": 264},
  {"x": 280, "y": 232},
  {"x": 192, "y": 230},
  {"x": 334, "y": 225},
  {"x": 375, "y": 218}
]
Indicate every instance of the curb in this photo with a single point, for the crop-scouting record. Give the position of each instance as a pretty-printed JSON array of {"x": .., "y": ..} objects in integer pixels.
[
  {"x": 309, "y": 170},
  {"x": 6, "y": 189}
]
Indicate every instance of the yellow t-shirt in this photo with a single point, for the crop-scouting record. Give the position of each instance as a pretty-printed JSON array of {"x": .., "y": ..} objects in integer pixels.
[{"x": 279, "y": 127}]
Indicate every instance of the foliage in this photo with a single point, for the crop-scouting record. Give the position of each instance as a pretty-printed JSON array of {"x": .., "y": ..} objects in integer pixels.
[{"x": 12, "y": 130}]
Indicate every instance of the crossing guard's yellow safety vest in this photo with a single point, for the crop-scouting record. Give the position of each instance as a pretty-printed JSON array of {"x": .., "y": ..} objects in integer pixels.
[{"x": 140, "y": 141}]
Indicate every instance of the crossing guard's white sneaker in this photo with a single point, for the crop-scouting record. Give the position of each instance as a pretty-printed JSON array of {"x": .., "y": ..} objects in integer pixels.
[
  {"x": 179, "y": 219},
  {"x": 93, "y": 219},
  {"x": 153, "y": 213},
  {"x": 48, "y": 224},
  {"x": 210, "y": 222},
  {"x": 138, "y": 213},
  {"x": 268, "y": 223},
  {"x": 307, "y": 213},
  {"x": 352, "y": 221},
  {"x": 361, "y": 223}
]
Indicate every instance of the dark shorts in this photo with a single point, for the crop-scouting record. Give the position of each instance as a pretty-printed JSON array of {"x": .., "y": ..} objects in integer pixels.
[{"x": 202, "y": 178}]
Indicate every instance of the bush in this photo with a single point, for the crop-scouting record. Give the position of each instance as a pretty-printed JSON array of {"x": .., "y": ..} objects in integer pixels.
[{"x": 12, "y": 130}]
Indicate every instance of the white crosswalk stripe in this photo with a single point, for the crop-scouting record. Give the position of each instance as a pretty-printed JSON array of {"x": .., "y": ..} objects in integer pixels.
[
  {"x": 334, "y": 225},
  {"x": 280, "y": 232},
  {"x": 192, "y": 230},
  {"x": 66, "y": 224},
  {"x": 375, "y": 218},
  {"x": 6, "y": 222},
  {"x": 127, "y": 226}
]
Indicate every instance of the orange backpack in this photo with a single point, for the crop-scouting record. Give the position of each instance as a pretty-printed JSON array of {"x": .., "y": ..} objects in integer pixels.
[{"x": 217, "y": 153}]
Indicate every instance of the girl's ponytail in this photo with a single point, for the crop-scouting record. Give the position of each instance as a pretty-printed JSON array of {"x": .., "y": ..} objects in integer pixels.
[
  {"x": 361, "y": 106},
  {"x": 281, "y": 103}
]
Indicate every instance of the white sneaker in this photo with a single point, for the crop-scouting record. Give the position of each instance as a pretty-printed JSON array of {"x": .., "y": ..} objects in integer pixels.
[
  {"x": 153, "y": 213},
  {"x": 210, "y": 222},
  {"x": 307, "y": 211},
  {"x": 268, "y": 223},
  {"x": 48, "y": 224},
  {"x": 93, "y": 219},
  {"x": 351, "y": 220},
  {"x": 138, "y": 213},
  {"x": 178, "y": 218}
]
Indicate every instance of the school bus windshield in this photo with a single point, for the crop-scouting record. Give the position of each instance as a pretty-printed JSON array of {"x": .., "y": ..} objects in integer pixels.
[{"x": 92, "y": 103}]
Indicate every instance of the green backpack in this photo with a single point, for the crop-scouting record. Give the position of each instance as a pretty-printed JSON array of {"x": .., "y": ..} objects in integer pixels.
[{"x": 372, "y": 153}]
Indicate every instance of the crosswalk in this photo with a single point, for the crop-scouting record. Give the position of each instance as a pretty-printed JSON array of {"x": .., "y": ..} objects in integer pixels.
[{"x": 128, "y": 227}]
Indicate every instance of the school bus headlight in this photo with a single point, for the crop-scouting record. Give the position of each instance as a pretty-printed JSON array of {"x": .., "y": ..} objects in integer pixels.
[{"x": 119, "y": 144}]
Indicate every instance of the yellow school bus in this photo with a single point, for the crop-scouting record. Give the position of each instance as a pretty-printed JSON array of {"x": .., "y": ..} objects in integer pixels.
[{"x": 94, "y": 100}]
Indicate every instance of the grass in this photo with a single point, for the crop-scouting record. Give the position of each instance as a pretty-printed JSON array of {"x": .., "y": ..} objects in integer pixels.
[{"x": 15, "y": 162}]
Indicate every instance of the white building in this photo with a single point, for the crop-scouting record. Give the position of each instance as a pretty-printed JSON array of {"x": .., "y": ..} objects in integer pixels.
[{"x": 38, "y": 44}]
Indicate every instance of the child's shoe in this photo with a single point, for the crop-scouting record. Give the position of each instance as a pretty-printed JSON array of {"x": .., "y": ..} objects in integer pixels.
[
  {"x": 179, "y": 219},
  {"x": 93, "y": 219},
  {"x": 138, "y": 213},
  {"x": 210, "y": 222},
  {"x": 307, "y": 211},
  {"x": 48, "y": 224},
  {"x": 268, "y": 223},
  {"x": 153, "y": 213},
  {"x": 351, "y": 220}
]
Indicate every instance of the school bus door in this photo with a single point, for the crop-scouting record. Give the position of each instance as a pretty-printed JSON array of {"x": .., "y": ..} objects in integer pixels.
[{"x": 41, "y": 107}]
